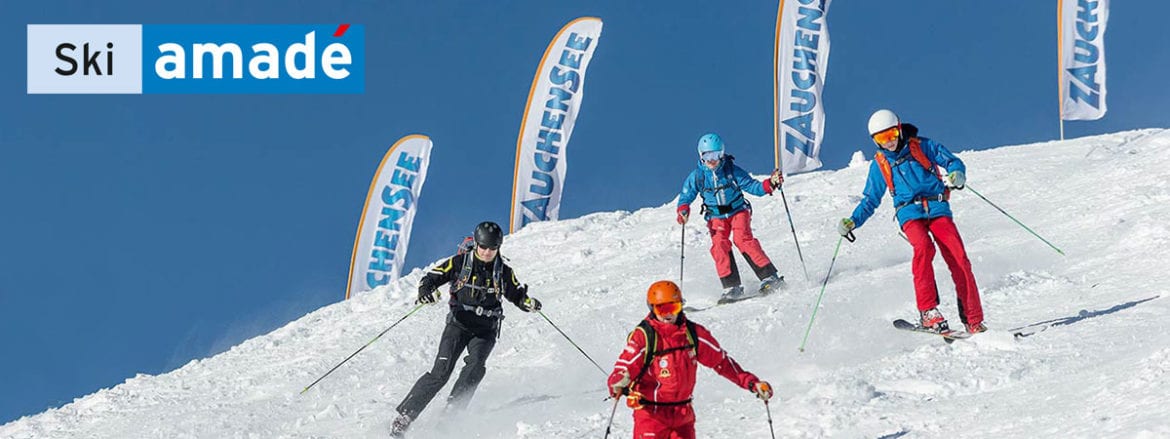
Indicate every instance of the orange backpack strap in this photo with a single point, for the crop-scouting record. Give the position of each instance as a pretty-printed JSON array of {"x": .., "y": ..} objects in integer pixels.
[
  {"x": 884, "y": 166},
  {"x": 915, "y": 145},
  {"x": 916, "y": 152}
]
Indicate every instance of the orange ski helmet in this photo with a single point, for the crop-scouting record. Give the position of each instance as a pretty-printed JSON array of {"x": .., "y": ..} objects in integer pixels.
[{"x": 664, "y": 297}]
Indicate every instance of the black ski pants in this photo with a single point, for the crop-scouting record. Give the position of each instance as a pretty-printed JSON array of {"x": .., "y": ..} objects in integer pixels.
[{"x": 456, "y": 337}]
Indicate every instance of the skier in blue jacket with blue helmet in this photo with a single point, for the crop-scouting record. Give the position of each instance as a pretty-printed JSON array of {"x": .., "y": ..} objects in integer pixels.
[
  {"x": 722, "y": 185},
  {"x": 907, "y": 166}
]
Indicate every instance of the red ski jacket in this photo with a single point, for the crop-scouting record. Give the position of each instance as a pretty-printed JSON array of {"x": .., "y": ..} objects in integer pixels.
[{"x": 671, "y": 376}]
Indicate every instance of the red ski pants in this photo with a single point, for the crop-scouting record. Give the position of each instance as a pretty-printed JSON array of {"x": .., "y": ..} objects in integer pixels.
[
  {"x": 664, "y": 422},
  {"x": 950, "y": 244},
  {"x": 738, "y": 227}
]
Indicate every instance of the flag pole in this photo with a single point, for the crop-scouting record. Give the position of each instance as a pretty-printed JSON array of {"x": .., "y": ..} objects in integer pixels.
[{"x": 1060, "y": 65}]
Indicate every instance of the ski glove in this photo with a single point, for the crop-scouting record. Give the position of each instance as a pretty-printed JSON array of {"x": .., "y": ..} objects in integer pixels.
[
  {"x": 763, "y": 390},
  {"x": 634, "y": 400},
  {"x": 957, "y": 179},
  {"x": 684, "y": 212},
  {"x": 618, "y": 388},
  {"x": 776, "y": 179},
  {"x": 426, "y": 295},
  {"x": 530, "y": 305},
  {"x": 845, "y": 226}
]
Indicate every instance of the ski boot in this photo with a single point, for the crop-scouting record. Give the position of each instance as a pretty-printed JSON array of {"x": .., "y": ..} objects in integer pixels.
[
  {"x": 733, "y": 294},
  {"x": 771, "y": 283},
  {"x": 976, "y": 328},
  {"x": 933, "y": 320},
  {"x": 399, "y": 427}
]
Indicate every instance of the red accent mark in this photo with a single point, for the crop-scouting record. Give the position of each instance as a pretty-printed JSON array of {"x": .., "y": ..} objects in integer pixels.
[{"x": 341, "y": 30}]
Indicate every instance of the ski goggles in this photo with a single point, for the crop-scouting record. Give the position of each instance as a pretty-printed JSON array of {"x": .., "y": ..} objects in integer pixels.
[
  {"x": 488, "y": 248},
  {"x": 886, "y": 135},
  {"x": 712, "y": 156},
  {"x": 667, "y": 309}
]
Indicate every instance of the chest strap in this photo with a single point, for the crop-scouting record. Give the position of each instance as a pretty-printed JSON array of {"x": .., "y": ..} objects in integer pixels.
[
  {"x": 465, "y": 277},
  {"x": 481, "y": 311}
]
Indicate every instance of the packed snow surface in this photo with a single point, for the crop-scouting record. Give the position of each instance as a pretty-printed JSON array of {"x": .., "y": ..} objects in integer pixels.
[{"x": 1098, "y": 364}]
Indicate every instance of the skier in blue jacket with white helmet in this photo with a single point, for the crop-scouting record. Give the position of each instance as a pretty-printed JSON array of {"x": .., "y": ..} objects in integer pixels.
[
  {"x": 907, "y": 166},
  {"x": 722, "y": 185}
]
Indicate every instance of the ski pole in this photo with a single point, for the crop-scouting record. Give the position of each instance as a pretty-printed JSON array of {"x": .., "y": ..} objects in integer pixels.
[
  {"x": 416, "y": 308},
  {"x": 769, "y": 411},
  {"x": 611, "y": 413},
  {"x": 818, "y": 305},
  {"x": 793, "y": 227},
  {"x": 554, "y": 325},
  {"x": 1014, "y": 219},
  {"x": 682, "y": 253}
]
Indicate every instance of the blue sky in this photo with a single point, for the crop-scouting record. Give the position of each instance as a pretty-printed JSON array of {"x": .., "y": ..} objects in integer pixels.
[{"x": 141, "y": 232}]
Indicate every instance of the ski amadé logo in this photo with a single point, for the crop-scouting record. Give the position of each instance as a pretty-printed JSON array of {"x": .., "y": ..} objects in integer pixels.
[{"x": 196, "y": 59}]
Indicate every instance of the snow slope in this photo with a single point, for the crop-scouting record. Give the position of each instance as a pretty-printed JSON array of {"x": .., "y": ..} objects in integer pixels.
[{"x": 1094, "y": 371}]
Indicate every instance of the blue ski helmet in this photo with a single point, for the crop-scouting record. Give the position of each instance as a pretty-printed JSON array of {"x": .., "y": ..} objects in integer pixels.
[{"x": 710, "y": 142}]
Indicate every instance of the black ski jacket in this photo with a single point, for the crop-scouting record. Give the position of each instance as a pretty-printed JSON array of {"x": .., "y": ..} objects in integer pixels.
[{"x": 479, "y": 290}]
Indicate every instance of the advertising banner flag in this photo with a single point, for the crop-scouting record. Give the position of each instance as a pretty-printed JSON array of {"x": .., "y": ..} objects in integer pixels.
[
  {"x": 1082, "y": 58},
  {"x": 553, "y": 103},
  {"x": 800, "y": 61},
  {"x": 379, "y": 249}
]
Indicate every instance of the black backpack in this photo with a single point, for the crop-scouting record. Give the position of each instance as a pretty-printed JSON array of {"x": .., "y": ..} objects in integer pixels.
[{"x": 465, "y": 248}]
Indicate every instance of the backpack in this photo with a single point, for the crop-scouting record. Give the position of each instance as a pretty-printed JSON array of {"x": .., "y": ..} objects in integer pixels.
[
  {"x": 652, "y": 345},
  {"x": 730, "y": 159},
  {"x": 915, "y": 145},
  {"x": 464, "y": 248},
  {"x": 728, "y": 171}
]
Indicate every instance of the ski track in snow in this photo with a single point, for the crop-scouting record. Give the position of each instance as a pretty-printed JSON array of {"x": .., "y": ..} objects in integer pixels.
[{"x": 1091, "y": 373}]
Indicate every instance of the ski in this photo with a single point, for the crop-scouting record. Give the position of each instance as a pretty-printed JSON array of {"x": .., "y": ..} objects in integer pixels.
[
  {"x": 722, "y": 302},
  {"x": 697, "y": 309},
  {"x": 764, "y": 290},
  {"x": 949, "y": 336},
  {"x": 1029, "y": 331}
]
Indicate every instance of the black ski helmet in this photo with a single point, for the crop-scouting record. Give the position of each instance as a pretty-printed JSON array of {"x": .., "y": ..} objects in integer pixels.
[{"x": 488, "y": 235}]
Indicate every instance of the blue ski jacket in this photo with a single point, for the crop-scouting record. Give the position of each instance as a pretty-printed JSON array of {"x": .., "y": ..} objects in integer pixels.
[
  {"x": 913, "y": 184},
  {"x": 722, "y": 188}
]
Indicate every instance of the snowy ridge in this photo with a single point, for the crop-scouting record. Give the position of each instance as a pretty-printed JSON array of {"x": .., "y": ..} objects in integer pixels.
[{"x": 1093, "y": 372}]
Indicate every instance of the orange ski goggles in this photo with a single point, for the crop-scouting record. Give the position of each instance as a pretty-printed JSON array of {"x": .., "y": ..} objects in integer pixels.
[
  {"x": 886, "y": 135},
  {"x": 668, "y": 308}
]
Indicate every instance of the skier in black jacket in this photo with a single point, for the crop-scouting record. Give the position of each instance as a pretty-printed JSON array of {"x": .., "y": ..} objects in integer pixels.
[{"x": 478, "y": 278}]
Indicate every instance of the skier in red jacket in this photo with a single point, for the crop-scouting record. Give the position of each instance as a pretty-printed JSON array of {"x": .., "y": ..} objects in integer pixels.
[{"x": 659, "y": 381}]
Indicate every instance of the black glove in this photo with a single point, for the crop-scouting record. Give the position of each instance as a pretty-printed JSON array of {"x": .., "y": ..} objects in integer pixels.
[
  {"x": 427, "y": 295},
  {"x": 530, "y": 304}
]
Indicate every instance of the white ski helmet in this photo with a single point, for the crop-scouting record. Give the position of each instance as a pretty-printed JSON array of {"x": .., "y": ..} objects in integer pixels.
[{"x": 882, "y": 120}]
